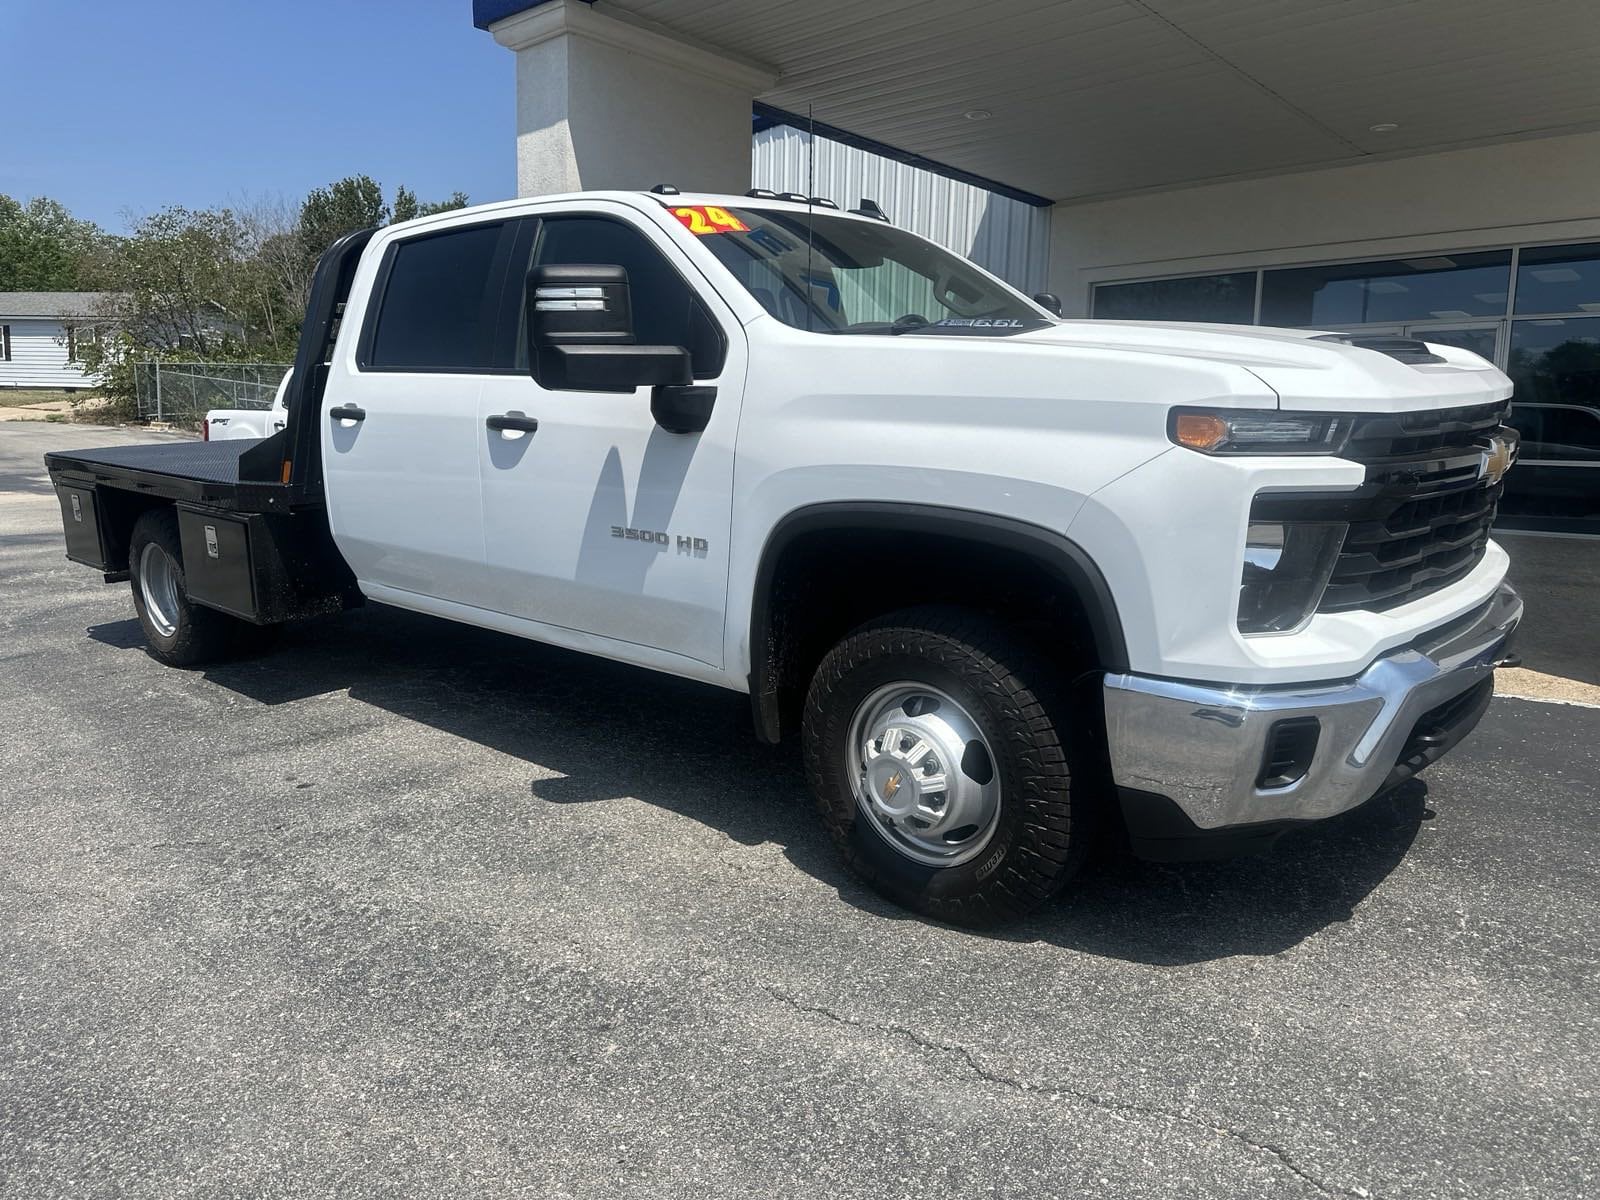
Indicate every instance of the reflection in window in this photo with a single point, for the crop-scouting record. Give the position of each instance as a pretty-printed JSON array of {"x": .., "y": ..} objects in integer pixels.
[
  {"x": 1555, "y": 365},
  {"x": 1558, "y": 279},
  {"x": 1224, "y": 299},
  {"x": 1479, "y": 341},
  {"x": 1442, "y": 287},
  {"x": 1556, "y": 361}
]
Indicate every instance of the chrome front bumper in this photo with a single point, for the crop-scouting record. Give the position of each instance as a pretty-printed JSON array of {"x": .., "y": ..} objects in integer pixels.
[{"x": 1202, "y": 746}]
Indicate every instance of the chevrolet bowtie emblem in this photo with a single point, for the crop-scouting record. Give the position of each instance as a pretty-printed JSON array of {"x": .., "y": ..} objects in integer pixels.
[
  {"x": 891, "y": 786},
  {"x": 1497, "y": 459}
]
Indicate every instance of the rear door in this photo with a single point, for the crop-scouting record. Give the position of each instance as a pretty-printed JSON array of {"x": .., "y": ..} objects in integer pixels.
[
  {"x": 601, "y": 521},
  {"x": 400, "y": 434}
]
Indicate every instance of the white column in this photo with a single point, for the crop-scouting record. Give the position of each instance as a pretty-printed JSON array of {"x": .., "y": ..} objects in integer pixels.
[{"x": 606, "y": 101}]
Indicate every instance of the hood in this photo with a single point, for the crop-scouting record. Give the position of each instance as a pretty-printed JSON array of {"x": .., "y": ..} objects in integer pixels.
[{"x": 1307, "y": 374}]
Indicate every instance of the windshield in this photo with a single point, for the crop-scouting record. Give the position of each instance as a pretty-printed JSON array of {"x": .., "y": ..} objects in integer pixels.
[{"x": 851, "y": 276}]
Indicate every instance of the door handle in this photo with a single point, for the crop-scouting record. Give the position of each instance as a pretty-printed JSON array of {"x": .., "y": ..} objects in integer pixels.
[
  {"x": 500, "y": 422},
  {"x": 347, "y": 412}
]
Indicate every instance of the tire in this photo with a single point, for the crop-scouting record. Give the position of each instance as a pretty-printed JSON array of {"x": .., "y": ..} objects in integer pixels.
[
  {"x": 177, "y": 631},
  {"x": 1039, "y": 830}
]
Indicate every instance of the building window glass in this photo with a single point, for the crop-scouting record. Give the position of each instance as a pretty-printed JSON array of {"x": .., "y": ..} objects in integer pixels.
[
  {"x": 1479, "y": 339},
  {"x": 1554, "y": 279},
  {"x": 1555, "y": 365},
  {"x": 5, "y": 343},
  {"x": 1440, "y": 287},
  {"x": 1556, "y": 361},
  {"x": 1228, "y": 299}
]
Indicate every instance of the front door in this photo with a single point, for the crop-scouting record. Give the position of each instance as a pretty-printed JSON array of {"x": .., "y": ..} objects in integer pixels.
[{"x": 601, "y": 521}]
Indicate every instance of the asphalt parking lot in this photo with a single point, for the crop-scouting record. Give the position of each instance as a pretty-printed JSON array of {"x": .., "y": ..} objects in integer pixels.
[{"x": 407, "y": 909}]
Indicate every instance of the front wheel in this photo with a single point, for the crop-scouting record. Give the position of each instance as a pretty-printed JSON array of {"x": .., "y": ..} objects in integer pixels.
[{"x": 934, "y": 745}]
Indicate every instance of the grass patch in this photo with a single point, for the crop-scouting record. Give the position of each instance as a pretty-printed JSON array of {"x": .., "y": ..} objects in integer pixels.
[{"x": 18, "y": 397}]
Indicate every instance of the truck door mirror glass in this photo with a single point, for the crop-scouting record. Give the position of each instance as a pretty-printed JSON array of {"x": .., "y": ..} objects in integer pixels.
[
  {"x": 580, "y": 333},
  {"x": 1048, "y": 300}
]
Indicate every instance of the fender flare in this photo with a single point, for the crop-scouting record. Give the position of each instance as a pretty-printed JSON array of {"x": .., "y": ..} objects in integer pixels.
[{"x": 1057, "y": 554}]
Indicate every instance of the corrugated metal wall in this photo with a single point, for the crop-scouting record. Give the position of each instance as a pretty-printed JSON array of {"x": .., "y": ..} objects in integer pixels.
[{"x": 1005, "y": 236}]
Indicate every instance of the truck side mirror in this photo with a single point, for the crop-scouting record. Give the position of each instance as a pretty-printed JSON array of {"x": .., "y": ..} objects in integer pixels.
[
  {"x": 580, "y": 334},
  {"x": 1048, "y": 300}
]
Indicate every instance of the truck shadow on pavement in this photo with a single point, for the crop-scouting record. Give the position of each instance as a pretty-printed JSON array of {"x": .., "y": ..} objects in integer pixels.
[{"x": 613, "y": 731}]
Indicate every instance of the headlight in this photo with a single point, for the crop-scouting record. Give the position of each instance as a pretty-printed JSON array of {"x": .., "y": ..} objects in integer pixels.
[
  {"x": 1286, "y": 568},
  {"x": 1221, "y": 431}
]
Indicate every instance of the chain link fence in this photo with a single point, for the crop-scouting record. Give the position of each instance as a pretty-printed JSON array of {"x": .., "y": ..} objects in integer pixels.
[{"x": 181, "y": 392}]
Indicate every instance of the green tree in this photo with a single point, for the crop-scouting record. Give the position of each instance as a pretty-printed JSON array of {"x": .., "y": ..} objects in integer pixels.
[
  {"x": 405, "y": 204},
  {"x": 182, "y": 281},
  {"x": 407, "y": 207},
  {"x": 456, "y": 200},
  {"x": 43, "y": 248},
  {"x": 355, "y": 202}
]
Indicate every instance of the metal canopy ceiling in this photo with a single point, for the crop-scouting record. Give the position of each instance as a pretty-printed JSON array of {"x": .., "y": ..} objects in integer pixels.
[{"x": 1099, "y": 97}]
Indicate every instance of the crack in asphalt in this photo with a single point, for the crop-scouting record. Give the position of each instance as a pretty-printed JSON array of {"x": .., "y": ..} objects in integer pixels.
[{"x": 989, "y": 1075}]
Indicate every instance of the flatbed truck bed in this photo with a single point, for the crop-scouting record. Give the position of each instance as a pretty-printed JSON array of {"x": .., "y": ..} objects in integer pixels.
[{"x": 198, "y": 472}]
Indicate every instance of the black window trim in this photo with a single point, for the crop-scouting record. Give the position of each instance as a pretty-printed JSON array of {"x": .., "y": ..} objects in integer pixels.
[
  {"x": 519, "y": 244},
  {"x": 512, "y": 229}
]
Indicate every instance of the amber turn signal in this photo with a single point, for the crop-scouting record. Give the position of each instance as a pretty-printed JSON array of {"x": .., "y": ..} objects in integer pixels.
[
  {"x": 1199, "y": 431},
  {"x": 287, "y": 468}
]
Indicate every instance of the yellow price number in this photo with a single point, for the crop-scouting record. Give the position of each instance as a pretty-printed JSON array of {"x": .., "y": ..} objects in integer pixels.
[{"x": 703, "y": 219}]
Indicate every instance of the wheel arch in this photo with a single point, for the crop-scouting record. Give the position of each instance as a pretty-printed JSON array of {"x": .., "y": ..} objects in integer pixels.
[
  {"x": 775, "y": 658},
  {"x": 119, "y": 512}
]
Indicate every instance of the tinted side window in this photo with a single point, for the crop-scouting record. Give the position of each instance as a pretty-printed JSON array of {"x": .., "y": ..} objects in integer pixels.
[
  {"x": 666, "y": 311},
  {"x": 440, "y": 302}
]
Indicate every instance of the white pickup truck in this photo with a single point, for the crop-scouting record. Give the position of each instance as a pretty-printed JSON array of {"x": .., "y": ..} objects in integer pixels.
[
  {"x": 1007, "y": 577},
  {"x": 235, "y": 424}
]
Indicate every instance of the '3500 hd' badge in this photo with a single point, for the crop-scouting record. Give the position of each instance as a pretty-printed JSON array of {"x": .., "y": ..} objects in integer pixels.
[{"x": 660, "y": 537}]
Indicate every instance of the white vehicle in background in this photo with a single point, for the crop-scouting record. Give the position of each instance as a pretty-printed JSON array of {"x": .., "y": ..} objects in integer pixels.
[{"x": 231, "y": 424}]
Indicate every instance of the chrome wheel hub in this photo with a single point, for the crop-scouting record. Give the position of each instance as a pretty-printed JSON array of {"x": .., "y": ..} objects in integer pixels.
[
  {"x": 158, "y": 584},
  {"x": 923, "y": 774}
]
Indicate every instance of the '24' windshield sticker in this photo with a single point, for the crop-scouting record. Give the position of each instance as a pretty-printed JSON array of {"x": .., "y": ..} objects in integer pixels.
[{"x": 703, "y": 219}]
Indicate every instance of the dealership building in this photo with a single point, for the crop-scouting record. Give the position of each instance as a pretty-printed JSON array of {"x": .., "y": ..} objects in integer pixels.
[{"x": 1429, "y": 168}]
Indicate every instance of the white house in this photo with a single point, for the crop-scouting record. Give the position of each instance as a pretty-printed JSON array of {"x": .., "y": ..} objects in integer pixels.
[{"x": 41, "y": 334}]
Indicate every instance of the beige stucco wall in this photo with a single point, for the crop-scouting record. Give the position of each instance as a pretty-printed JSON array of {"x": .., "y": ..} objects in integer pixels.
[
  {"x": 603, "y": 102},
  {"x": 1544, "y": 190}
]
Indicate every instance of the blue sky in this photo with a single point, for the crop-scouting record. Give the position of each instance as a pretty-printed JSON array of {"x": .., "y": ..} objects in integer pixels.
[{"x": 116, "y": 105}]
